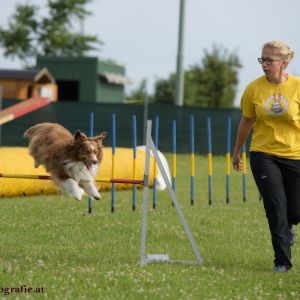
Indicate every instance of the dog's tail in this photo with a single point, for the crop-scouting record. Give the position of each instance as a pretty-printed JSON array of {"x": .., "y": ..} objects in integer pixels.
[{"x": 30, "y": 132}]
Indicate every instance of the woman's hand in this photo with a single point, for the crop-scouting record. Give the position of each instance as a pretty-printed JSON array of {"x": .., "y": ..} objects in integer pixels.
[
  {"x": 243, "y": 131},
  {"x": 237, "y": 163}
]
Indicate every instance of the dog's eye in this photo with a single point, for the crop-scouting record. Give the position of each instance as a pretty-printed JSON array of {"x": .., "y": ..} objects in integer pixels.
[{"x": 87, "y": 150}]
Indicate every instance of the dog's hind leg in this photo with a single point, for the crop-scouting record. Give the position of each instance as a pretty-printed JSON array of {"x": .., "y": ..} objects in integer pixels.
[
  {"x": 90, "y": 189},
  {"x": 36, "y": 164},
  {"x": 70, "y": 187}
]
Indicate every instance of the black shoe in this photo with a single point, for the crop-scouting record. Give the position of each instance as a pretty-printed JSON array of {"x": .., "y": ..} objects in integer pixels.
[{"x": 281, "y": 269}]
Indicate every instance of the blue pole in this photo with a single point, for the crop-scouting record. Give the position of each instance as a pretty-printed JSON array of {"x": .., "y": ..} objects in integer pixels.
[
  {"x": 174, "y": 158},
  {"x": 209, "y": 160},
  {"x": 134, "y": 161},
  {"x": 113, "y": 187},
  {"x": 244, "y": 171},
  {"x": 91, "y": 133},
  {"x": 174, "y": 155},
  {"x": 228, "y": 142},
  {"x": 192, "y": 158},
  {"x": 156, "y": 127}
]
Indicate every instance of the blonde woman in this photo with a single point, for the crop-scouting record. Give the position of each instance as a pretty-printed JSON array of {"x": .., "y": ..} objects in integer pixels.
[{"x": 271, "y": 106}]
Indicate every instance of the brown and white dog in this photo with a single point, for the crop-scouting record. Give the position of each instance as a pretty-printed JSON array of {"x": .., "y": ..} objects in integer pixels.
[{"x": 72, "y": 161}]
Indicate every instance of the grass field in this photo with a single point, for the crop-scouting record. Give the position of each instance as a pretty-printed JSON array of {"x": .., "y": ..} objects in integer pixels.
[{"x": 50, "y": 243}]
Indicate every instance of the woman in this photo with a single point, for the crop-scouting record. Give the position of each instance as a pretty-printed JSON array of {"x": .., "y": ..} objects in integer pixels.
[{"x": 271, "y": 105}]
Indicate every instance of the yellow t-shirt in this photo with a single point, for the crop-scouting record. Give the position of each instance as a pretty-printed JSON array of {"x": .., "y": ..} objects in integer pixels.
[{"x": 276, "y": 130}]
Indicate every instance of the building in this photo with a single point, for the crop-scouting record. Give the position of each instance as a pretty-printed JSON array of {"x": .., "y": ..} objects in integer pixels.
[
  {"x": 25, "y": 84},
  {"x": 87, "y": 79}
]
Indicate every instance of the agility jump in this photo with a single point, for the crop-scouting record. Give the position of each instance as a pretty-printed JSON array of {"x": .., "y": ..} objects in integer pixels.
[{"x": 130, "y": 162}]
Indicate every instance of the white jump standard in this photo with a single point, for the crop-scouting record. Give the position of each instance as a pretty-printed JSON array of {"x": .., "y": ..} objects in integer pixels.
[{"x": 149, "y": 258}]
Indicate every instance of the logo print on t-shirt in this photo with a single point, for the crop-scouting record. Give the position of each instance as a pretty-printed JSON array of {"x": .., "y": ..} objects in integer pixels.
[{"x": 276, "y": 105}]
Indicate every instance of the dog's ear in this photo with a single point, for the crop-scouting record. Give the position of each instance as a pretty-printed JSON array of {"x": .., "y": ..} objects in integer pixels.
[
  {"x": 79, "y": 136},
  {"x": 100, "y": 136}
]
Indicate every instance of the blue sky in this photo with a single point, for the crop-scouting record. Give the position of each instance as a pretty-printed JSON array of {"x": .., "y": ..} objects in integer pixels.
[{"x": 142, "y": 35}]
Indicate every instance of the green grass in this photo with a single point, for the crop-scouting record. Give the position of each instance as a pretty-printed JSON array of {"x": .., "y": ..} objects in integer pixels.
[{"x": 50, "y": 242}]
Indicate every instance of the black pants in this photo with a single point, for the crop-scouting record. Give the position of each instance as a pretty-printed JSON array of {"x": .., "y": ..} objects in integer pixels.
[{"x": 278, "y": 181}]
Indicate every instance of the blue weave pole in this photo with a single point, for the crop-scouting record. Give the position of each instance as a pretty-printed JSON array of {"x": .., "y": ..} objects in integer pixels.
[
  {"x": 91, "y": 133},
  {"x": 192, "y": 158},
  {"x": 228, "y": 143},
  {"x": 244, "y": 171},
  {"x": 174, "y": 158},
  {"x": 209, "y": 157},
  {"x": 113, "y": 144},
  {"x": 156, "y": 130},
  {"x": 134, "y": 161}
]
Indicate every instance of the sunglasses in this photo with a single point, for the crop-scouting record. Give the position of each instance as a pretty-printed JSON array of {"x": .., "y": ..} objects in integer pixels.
[{"x": 267, "y": 60}]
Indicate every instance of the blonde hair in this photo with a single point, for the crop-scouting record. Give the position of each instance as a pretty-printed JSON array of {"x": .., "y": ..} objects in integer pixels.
[{"x": 282, "y": 48}]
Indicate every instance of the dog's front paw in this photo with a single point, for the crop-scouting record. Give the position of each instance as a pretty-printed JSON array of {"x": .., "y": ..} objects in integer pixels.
[
  {"x": 95, "y": 194},
  {"x": 77, "y": 197},
  {"x": 90, "y": 189},
  {"x": 82, "y": 192},
  {"x": 97, "y": 197},
  {"x": 77, "y": 193}
]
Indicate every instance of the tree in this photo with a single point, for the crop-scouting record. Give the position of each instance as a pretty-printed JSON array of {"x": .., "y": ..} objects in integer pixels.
[
  {"x": 217, "y": 78},
  {"x": 139, "y": 93},
  {"x": 26, "y": 37},
  {"x": 165, "y": 90},
  {"x": 210, "y": 84}
]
